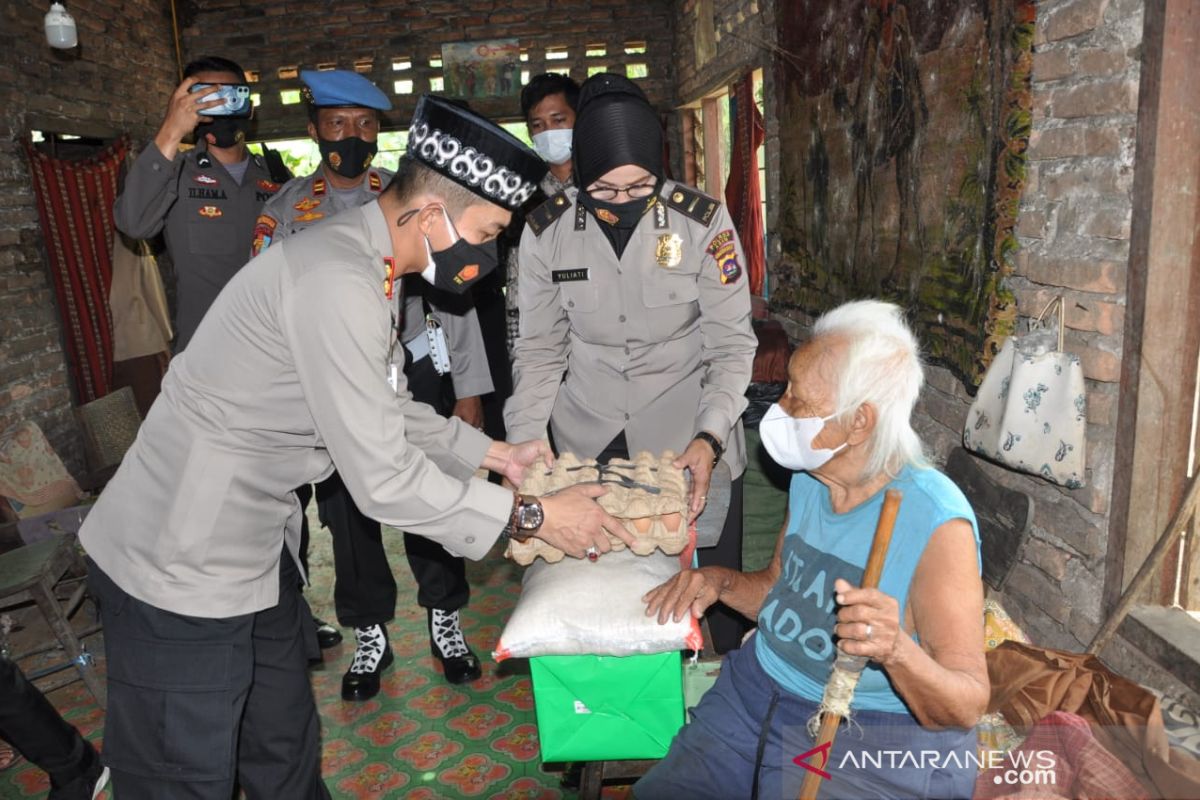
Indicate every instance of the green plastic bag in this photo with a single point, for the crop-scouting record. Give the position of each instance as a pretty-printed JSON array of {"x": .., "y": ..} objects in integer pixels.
[{"x": 605, "y": 708}]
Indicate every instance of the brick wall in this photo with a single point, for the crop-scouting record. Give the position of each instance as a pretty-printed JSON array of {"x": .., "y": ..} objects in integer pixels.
[
  {"x": 116, "y": 81},
  {"x": 264, "y": 36},
  {"x": 1074, "y": 233}
]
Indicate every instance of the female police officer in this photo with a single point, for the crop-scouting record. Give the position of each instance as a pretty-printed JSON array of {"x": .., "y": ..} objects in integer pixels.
[{"x": 633, "y": 285}]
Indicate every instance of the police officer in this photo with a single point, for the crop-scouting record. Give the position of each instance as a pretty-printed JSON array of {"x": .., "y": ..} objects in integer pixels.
[
  {"x": 206, "y": 200},
  {"x": 344, "y": 109},
  {"x": 632, "y": 284},
  {"x": 194, "y": 543},
  {"x": 548, "y": 105}
]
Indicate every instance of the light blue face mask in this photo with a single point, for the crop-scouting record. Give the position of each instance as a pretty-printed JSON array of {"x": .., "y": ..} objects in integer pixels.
[
  {"x": 554, "y": 145},
  {"x": 789, "y": 439}
]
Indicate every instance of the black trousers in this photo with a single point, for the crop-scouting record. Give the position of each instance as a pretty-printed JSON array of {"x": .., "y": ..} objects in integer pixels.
[
  {"x": 726, "y": 626},
  {"x": 364, "y": 591},
  {"x": 30, "y": 724},
  {"x": 197, "y": 706}
]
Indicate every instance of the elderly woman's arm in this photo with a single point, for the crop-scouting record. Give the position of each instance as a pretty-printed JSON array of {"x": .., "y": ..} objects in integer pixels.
[
  {"x": 943, "y": 679},
  {"x": 697, "y": 589}
]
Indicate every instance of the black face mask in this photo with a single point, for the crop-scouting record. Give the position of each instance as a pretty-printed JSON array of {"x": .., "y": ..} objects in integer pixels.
[
  {"x": 619, "y": 215},
  {"x": 226, "y": 131},
  {"x": 460, "y": 265},
  {"x": 348, "y": 157}
]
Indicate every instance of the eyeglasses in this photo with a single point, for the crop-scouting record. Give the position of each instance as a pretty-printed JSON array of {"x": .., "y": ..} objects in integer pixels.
[{"x": 634, "y": 191}]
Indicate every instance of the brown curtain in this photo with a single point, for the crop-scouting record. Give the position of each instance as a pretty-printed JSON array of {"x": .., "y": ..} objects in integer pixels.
[{"x": 742, "y": 194}]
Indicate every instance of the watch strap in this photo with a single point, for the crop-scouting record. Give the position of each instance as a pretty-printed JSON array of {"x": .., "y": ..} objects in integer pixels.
[{"x": 714, "y": 443}]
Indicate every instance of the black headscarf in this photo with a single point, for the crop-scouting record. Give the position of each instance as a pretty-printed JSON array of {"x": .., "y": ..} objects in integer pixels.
[{"x": 615, "y": 125}]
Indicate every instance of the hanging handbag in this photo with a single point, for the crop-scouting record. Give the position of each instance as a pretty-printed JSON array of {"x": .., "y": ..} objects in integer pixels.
[{"x": 1031, "y": 410}]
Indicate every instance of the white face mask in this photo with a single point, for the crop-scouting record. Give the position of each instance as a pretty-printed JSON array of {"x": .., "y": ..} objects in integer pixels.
[
  {"x": 789, "y": 440},
  {"x": 554, "y": 145}
]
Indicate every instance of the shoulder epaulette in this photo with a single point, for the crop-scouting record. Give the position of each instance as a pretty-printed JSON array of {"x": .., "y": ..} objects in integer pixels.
[
  {"x": 544, "y": 215},
  {"x": 693, "y": 203}
]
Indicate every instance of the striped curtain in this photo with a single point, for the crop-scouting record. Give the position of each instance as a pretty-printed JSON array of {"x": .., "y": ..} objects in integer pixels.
[{"x": 75, "y": 200}]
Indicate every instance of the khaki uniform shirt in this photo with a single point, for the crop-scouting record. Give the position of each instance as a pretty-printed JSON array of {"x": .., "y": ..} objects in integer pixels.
[
  {"x": 303, "y": 202},
  {"x": 657, "y": 343},
  {"x": 206, "y": 217},
  {"x": 285, "y": 376}
]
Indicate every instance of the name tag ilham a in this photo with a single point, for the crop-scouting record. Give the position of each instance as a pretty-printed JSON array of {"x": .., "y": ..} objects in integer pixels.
[{"x": 569, "y": 275}]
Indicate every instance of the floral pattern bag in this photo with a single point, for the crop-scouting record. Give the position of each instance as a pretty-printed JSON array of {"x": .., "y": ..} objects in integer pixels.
[{"x": 1031, "y": 410}]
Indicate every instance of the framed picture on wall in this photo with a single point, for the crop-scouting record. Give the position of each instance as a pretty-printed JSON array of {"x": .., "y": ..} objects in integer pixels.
[{"x": 482, "y": 69}]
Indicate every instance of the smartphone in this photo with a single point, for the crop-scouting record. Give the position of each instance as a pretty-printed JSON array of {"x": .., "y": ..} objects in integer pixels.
[{"x": 235, "y": 95}]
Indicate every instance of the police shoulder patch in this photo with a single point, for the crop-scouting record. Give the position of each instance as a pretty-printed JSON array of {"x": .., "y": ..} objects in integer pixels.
[
  {"x": 544, "y": 215},
  {"x": 693, "y": 203}
]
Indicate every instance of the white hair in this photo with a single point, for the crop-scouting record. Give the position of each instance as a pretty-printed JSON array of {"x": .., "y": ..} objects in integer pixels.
[{"x": 882, "y": 366}]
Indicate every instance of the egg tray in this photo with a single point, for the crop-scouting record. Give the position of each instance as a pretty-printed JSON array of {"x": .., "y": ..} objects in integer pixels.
[{"x": 648, "y": 494}]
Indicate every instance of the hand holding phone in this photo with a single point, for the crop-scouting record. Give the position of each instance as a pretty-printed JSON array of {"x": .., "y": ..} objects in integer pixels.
[{"x": 235, "y": 95}]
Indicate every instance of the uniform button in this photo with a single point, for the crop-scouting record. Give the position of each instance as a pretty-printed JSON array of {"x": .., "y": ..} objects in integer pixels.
[
  {"x": 621, "y": 318},
  {"x": 570, "y": 303},
  {"x": 626, "y": 351},
  {"x": 626, "y": 416},
  {"x": 470, "y": 540},
  {"x": 671, "y": 295},
  {"x": 626, "y": 377}
]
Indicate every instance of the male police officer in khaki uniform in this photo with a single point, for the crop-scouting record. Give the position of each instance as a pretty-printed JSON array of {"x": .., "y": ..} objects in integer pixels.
[
  {"x": 633, "y": 286},
  {"x": 206, "y": 199},
  {"x": 344, "y": 110},
  {"x": 193, "y": 544}
]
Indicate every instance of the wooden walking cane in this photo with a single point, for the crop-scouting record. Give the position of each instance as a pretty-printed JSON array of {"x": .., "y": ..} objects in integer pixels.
[{"x": 848, "y": 669}]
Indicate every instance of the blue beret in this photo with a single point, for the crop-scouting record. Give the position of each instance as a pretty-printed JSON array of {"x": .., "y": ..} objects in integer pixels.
[{"x": 341, "y": 87}]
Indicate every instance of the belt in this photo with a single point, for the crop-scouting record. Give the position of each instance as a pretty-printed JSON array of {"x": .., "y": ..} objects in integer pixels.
[{"x": 418, "y": 346}]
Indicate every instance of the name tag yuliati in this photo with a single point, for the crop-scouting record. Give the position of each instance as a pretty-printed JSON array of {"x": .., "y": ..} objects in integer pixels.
[{"x": 569, "y": 275}]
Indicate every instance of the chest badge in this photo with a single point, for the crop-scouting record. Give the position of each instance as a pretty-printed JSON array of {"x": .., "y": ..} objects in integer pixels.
[
  {"x": 205, "y": 180},
  {"x": 268, "y": 186},
  {"x": 669, "y": 250},
  {"x": 319, "y": 187},
  {"x": 375, "y": 182},
  {"x": 307, "y": 204},
  {"x": 309, "y": 216},
  {"x": 211, "y": 212}
]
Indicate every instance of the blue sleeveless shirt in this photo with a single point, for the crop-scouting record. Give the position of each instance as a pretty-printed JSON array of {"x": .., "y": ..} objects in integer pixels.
[{"x": 795, "y": 641}]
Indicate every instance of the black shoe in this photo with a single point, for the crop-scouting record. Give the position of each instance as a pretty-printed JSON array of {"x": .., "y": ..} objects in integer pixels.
[
  {"x": 446, "y": 642},
  {"x": 327, "y": 635},
  {"x": 372, "y": 656}
]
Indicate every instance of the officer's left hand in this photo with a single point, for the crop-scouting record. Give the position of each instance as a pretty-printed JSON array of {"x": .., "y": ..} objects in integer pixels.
[
  {"x": 470, "y": 411},
  {"x": 523, "y": 456},
  {"x": 697, "y": 459}
]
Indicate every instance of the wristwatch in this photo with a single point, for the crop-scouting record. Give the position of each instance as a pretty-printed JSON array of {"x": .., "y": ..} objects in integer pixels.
[
  {"x": 714, "y": 443},
  {"x": 527, "y": 517}
]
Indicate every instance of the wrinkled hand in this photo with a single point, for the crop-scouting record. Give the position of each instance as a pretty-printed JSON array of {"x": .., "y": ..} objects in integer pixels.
[
  {"x": 184, "y": 112},
  {"x": 524, "y": 455},
  {"x": 697, "y": 459},
  {"x": 691, "y": 590},
  {"x": 575, "y": 521},
  {"x": 470, "y": 411},
  {"x": 868, "y": 622}
]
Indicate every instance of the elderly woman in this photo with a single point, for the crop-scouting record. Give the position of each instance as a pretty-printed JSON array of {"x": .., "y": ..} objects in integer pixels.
[
  {"x": 631, "y": 285},
  {"x": 844, "y": 426}
]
